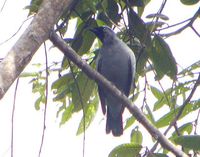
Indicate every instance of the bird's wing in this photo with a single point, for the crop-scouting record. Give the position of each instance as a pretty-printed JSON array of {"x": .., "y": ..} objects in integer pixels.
[
  {"x": 100, "y": 89},
  {"x": 130, "y": 76}
]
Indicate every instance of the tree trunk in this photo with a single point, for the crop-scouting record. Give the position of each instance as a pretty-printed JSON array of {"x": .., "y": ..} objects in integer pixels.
[{"x": 24, "y": 49}]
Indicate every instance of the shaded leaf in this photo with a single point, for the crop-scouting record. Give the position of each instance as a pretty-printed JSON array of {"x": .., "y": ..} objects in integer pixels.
[
  {"x": 62, "y": 81},
  {"x": 162, "y": 58},
  {"x": 189, "y": 2},
  {"x": 112, "y": 11},
  {"x": 125, "y": 150},
  {"x": 161, "y": 16},
  {"x": 189, "y": 141},
  {"x": 84, "y": 86},
  {"x": 90, "y": 113},
  {"x": 153, "y": 25},
  {"x": 67, "y": 114},
  {"x": 138, "y": 28}
]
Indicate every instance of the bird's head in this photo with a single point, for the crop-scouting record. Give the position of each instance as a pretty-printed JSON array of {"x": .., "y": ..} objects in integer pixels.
[{"x": 104, "y": 33}]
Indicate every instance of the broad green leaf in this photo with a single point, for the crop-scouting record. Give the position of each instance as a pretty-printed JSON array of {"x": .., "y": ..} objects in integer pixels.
[
  {"x": 189, "y": 141},
  {"x": 162, "y": 58},
  {"x": 90, "y": 113},
  {"x": 156, "y": 92},
  {"x": 85, "y": 87},
  {"x": 62, "y": 81},
  {"x": 61, "y": 93},
  {"x": 38, "y": 102},
  {"x": 136, "y": 136},
  {"x": 189, "y": 2},
  {"x": 161, "y": 98},
  {"x": 157, "y": 155},
  {"x": 125, "y": 150},
  {"x": 29, "y": 74},
  {"x": 62, "y": 86},
  {"x": 129, "y": 122},
  {"x": 169, "y": 117},
  {"x": 67, "y": 114},
  {"x": 184, "y": 128}
]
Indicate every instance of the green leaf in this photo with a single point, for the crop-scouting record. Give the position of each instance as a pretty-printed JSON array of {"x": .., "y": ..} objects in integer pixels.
[
  {"x": 167, "y": 118},
  {"x": 161, "y": 16},
  {"x": 189, "y": 2},
  {"x": 136, "y": 136},
  {"x": 125, "y": 150},
  {"x": 189, "y": 141},
  {"x": 129, "y": 122},
  {"x": 38, "y": 102},
  {"x": 162, "y": 58},
  {"x": 85, "y": 87},
  {"x": 90, "y": 113},
  {"x": 112, "y": 11},
  {"x": 141, "y": 9},
  {"x": 67, "y": 114},
  {"x": 188, "y": 70},
  {"x": 150, "y": 115},
  {"x": 34, "y": 6},
  {"x": 157, "y": 155},
  {"x": 29, "y": 74},
  {"x": 156, "y": 92},
  {"x": 153, "y": 25},
  {"x": 138, "y": 28},
  {"x": 62, "y": 81},
  {"x": 184, "y": 128}
]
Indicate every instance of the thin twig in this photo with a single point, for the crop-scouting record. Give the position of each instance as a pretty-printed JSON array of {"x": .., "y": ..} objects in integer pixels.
[
  {"x": 4, "y": 3},
  {"x": 16, "y": 31},
  {"x": 13, "y": 115},
  {"x": 189, "y": 24},
  {"x": 196, "y": 122},
  {"x": 81, "y": 102},
  {"x": 46, "y": 99}
]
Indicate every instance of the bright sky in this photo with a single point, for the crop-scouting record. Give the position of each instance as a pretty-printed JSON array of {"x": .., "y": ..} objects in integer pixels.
[{"x": 62, "y": 141}]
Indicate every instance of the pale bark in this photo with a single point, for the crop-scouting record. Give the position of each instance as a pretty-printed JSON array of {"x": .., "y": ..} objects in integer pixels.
[{"x": 24, "y": 49}]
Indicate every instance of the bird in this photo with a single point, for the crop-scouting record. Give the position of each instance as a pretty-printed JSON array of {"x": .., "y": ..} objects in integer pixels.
[{"x": 116, "y": 62}]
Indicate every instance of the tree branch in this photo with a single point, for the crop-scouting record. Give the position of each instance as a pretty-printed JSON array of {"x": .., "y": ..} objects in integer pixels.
[
  {"x": 23, "y": 50},
  {"x": 189, "y": 24},
  {"x": 136, "y": 112}
]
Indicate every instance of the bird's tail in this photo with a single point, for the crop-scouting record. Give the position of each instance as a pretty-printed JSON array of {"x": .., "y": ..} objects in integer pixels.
[{"x": 114, "y": 124}]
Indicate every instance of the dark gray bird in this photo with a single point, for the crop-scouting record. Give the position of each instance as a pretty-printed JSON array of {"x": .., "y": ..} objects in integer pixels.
[{"x": 116, "y": 62}]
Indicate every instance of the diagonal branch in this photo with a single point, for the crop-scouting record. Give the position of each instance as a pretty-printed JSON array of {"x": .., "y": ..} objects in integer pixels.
[
  {"x": 23, "y": 50},
  {"x": 136, "y": 112}
]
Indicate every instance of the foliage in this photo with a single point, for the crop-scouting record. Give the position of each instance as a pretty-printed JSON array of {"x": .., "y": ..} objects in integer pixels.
[{"x": 76, "y": 92}]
